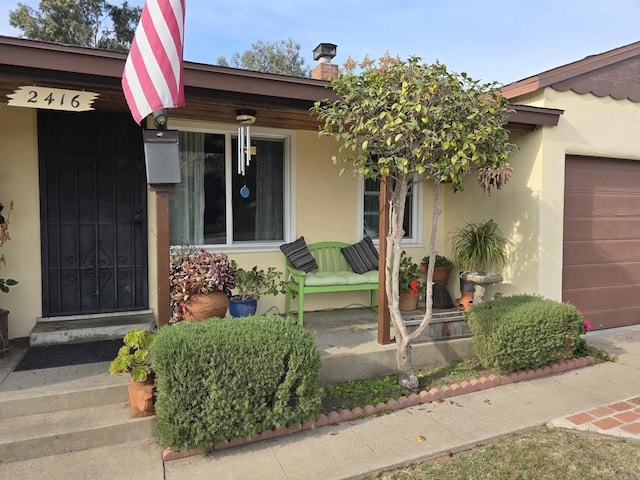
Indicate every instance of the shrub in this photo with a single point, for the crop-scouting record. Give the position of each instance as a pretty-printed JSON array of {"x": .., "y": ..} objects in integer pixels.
[
  {"x": 223, "y": 378},
  {"x": 524, "y": 331}
]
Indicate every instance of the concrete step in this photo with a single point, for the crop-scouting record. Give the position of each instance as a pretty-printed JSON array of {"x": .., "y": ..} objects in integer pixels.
[
  {"x": 442, "y": 326},
  {"x": 33, "y": 436},
  {"x": 59, "y": 410},
  {"x": 18, "y": 398},
  {"x": 88, "y": 328}
]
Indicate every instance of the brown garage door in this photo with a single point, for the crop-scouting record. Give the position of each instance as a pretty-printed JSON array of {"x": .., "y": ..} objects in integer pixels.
[{"x": 601, "y": 249}]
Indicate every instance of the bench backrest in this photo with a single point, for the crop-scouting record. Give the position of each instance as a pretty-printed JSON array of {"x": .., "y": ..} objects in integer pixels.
[{"x": 329, "y": 257}]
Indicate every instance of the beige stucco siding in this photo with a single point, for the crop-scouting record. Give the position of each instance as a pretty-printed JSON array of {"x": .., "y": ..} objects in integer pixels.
[
  {"x": 325, "y": 201},
  {"x": 325, "y": 208},
  {"x": 592, "y": 126},
  {"x": 19, "y": 182},
  {"x": 514, "y": 208},
  {"x": 533, "y": 210}
]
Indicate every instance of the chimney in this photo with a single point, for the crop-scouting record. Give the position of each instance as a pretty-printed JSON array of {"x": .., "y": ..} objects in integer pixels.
[{"x": 325, "y": 70}]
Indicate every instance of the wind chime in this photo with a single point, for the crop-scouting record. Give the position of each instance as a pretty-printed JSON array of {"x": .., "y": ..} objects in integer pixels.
[{"x": 245, "y": 118}]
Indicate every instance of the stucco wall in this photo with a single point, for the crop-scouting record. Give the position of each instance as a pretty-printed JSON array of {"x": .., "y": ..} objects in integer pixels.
[
  {"x": 592, "y": 126},
  {"x": 19, "y": 182},
  {"x": 530, "y": 208},
  {"x": 514, "y": 208}
]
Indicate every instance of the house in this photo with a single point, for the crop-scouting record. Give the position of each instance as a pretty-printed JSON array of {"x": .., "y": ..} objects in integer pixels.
[
  {"x": 88, "y": 232},
  {"x": 575, "y": 206}
]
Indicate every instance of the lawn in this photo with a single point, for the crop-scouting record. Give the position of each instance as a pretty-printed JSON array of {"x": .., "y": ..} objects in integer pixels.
[
  {"x": 539, "y": 454},
  {"x": 359, "y": 393}
]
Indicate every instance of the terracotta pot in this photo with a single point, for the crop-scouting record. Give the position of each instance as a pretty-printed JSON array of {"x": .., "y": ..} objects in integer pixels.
[
  {"x": 441, "y": 275},
  {"x": 408, "y": 301},
  {"x": 201, "y": 306},
  {"x": 141, "y": 397},
  {"x": 465, "y": 302}
]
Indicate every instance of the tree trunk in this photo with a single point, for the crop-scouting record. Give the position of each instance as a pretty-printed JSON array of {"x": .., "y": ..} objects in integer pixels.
[
  {"x": 404, "y": 360},
  {"x": 432, "y": 263},
  {"x": 406, "y": 375}
]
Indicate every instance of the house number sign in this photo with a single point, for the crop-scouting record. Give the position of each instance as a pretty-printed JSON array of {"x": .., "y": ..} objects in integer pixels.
[{"x": 52, "y": 99}]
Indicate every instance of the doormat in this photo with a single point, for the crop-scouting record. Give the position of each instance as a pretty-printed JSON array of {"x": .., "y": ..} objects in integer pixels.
[{"x": 49, "y": 356}]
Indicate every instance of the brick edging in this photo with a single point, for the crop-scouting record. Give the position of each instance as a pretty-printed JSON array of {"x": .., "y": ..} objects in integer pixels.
[{"x": 433, "y": 395}]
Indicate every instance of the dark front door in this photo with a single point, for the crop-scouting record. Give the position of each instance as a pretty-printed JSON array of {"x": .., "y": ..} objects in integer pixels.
[{"x": 93, "y": 213}]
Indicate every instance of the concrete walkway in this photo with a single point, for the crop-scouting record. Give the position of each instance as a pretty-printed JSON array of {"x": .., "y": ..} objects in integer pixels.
[{"x": 358, "y": 448}]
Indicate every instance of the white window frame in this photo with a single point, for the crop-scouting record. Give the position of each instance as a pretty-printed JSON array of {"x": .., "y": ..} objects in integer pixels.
[
  {"x": 417, "y": 217},
  {"x": 289, "y": 211}
]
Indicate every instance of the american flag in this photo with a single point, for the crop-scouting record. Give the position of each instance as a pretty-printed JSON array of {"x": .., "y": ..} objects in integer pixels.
[{"x": 152, "y": 77}]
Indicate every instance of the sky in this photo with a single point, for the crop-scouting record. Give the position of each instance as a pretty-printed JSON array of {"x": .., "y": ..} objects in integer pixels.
[{"x": 491, "y": 40}]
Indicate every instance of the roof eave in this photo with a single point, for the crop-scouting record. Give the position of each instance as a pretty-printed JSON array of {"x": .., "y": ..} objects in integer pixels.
[
  {"x": 580, "y": 67},
  {"x": 44, "y": 56}
]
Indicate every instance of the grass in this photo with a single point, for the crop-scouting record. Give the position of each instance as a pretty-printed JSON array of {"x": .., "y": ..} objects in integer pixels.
[
  {"x": 540, "y": 454},
  {"x": 359, "y": 393}
]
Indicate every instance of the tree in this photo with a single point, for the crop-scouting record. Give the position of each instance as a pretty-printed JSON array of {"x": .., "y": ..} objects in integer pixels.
[
  {"x": 403, "y": 122},
  {"x": 281, "y": 57},
  {"x": 86, "y": 23}
]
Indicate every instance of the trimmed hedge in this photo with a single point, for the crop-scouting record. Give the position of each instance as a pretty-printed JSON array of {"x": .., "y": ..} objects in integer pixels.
[
  {"x": 223, "y": 378},
  {"x": 524, "y": 331}
]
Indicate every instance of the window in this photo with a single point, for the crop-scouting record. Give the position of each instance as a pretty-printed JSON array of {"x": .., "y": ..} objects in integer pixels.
[
  {"x": 207, "y": 208},
  {"x": 371, "y": 211}
]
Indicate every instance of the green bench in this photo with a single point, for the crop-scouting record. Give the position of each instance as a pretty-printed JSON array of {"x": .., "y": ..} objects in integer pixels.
[{"x": 333, "y": 275}]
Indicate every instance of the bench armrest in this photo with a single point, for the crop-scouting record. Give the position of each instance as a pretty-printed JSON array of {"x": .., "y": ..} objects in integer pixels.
[{"x": 291, "y": 270}]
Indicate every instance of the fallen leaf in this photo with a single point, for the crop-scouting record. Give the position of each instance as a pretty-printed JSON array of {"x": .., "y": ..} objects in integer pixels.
[
  {"x": 487, "y": 401},
  {"x": 420, "y": 439},
  {"x": 334, "y": 433}
]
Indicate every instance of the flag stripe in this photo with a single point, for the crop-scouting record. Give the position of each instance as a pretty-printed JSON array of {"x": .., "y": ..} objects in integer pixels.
[
  {"x": 164, "y": 56},
  {"x": 173, "y": 48},
  {"x": 152, "y": 77}
]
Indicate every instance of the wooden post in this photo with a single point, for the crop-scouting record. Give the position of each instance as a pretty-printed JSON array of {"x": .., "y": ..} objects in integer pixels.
[
  {"x": 384, "y": 319},
  {"x": 163, "y": 249}
]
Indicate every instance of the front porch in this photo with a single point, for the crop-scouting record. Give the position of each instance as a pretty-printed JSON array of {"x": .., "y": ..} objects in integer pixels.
[
  {"x": 82, "y": 406},
  {"x": 349, "y": 350},
  {"x": 346, "y": 339}
]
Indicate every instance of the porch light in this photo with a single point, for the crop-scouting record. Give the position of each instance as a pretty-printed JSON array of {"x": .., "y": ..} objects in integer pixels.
[
  {"x": 324, "y": 52},
  {"x": 160, "y": 119},
  {"x": 245, "y": 118}
]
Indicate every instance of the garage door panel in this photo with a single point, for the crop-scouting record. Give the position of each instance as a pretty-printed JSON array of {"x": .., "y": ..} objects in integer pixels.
[
  {"x": 589, "y": 276},
  {"x": 601, "y": 247},
  {"x": 604, "y": 251},
  {"x": 585, "y": 203},
  {"x": 604, "y": 297},
  {"x": 616, "y": 317},
  {"x": 620, "y": 228},
  {"x": 616, "y": 176}
]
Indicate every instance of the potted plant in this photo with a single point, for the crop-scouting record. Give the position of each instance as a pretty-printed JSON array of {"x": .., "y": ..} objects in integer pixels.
[
  {"x": 5, "y": 283},
  {"x": 134, "y": 358},
  {"x": 441, "y": 270},
  {"x": 409, "y": 281},
  {"x": 200, "y": 284},
  {"x": 251, "y": 285},
  {"x": 476, "y": 248}
]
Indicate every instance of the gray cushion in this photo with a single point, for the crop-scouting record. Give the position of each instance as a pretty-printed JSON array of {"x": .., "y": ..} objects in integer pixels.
[
  {"x": 299, "y": 255},
  {"x": 362, "y": 257}
]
